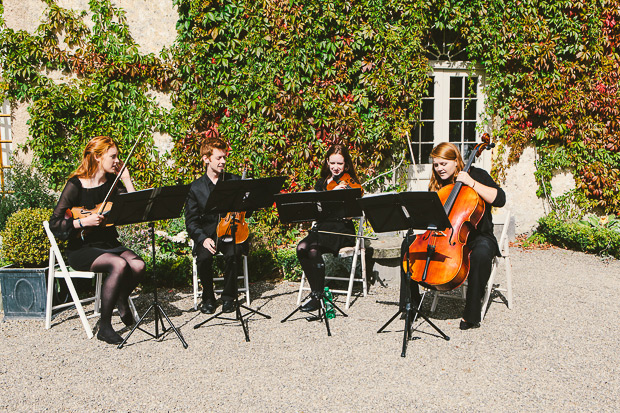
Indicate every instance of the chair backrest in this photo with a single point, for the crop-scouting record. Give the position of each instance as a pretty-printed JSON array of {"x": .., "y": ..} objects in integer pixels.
[
  {"x": 503, "y": 239},
  {"x": 55, "y": 255}
]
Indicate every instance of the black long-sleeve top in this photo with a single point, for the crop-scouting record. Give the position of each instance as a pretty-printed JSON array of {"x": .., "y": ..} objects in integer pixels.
[
  {"x": 75, "y": 195},
  {"x": 199, "y": 225}
]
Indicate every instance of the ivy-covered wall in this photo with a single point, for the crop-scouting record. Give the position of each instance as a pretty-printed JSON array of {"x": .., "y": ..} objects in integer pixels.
[{"x": 281, "y": 80}]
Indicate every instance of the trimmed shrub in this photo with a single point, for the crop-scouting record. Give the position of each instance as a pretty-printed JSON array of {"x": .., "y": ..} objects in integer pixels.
[{"x": 24, "y": 242}]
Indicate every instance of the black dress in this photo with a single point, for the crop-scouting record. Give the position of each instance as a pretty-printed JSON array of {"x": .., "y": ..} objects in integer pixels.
[{"x": 83, "y": 250}]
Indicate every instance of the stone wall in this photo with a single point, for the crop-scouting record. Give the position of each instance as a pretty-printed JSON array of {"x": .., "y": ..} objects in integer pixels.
[{"x": 152, "y": 24}]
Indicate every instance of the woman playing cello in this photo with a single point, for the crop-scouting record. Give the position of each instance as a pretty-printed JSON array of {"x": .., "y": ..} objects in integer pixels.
[
  {"x": 337, "y": 173},
  {"x": 448, "y": 169},
  {"x": 93, "y": 246}
]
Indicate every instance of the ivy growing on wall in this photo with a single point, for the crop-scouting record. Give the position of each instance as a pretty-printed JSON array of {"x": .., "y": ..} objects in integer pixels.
[{"x": 281, "y": 80}]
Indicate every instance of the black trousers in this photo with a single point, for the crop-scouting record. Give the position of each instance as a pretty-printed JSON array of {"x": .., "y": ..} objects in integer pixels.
[
  {"x": 483, "y": 250},
  {"x": 204, "y": 263}
]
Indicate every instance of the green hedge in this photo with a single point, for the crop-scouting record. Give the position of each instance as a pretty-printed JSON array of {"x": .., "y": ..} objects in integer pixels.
[{"x": 579, "y": 237}]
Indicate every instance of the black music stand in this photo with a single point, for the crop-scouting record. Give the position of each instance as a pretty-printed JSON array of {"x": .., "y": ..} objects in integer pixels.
[
  {"x": 407, "y": 211},
  {"x": 237, "y": 196},
  {"x": 319, "y": 206},
  {"x": 150, "y": 205}
]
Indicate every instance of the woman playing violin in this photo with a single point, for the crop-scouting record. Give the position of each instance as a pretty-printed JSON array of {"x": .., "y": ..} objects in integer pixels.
[
  {"x": 92, "y": 246},
  {"x": 447, "y": 169},
  {"x": 337, "y": 173}
]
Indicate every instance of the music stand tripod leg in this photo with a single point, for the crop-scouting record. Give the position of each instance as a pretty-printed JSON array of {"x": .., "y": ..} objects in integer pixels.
[
  {"x": 238, "y": 316},
  {"x": 159, "y": 311}
]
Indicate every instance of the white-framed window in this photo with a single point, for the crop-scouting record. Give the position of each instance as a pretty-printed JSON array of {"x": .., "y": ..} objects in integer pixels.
[
  {"x": 5, "y": 143},
  {"x": 452, "y": 111}
]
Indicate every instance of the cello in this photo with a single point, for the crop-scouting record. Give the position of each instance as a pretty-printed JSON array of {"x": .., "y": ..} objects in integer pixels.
[{"x": 439, "y": 260}]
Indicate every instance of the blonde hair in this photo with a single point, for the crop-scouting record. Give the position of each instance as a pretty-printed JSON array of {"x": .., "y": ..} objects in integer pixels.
[
  {"x": 450, "y": 152},
  {"x": 95, "y": 148}
]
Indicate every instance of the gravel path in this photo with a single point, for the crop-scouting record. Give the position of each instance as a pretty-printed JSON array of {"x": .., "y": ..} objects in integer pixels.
[{"x": 556, "y": 350}]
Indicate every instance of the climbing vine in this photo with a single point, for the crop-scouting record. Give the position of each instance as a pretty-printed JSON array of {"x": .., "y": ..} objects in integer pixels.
[{"x": 281, "y": 80}]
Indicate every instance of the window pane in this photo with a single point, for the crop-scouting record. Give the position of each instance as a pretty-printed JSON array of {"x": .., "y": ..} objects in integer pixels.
[
  {"x": 471, "y": 86},
  {"x": 427, "y": 134},
  {"x": 456, "y": 107},
  {"x": 469, "y": 132},
  {"x": 470, "y": 109},
  {"x": 426, "y": 153},
  {"x": 454, "y": 132},
  {"x": 430, "y": 88},
  {"x": 456, "y": 87},
  {"x": 427, "y": 109},
  {"x": 466, "y": 151}
]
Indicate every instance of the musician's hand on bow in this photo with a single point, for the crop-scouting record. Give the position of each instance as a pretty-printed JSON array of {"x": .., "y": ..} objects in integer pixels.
[
  {"x": 209, "y": 244},
  {"x": 93, "y": 220}
]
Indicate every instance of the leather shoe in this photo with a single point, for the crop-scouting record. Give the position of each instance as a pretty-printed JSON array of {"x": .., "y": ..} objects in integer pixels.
[
  {"x": 228, "y": 306},
  {"x": 207, "y": 307},
  {"x": 311, "y": 305},
  {"x": 110, "y": 338},
  {"x": 466, "y": 325}
]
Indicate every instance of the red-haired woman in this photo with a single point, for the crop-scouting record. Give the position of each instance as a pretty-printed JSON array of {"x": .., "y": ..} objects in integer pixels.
[
  {"x": 311, "y": 248},
  {"x": 91, "y": 245},
  {"x": 448, "y": 169}
]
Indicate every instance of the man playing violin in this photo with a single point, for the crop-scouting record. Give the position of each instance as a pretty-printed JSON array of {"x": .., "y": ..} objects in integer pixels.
[
  {"x": 92, "y": 245},
  {"x": 202, "y": 228},
  {"x": 448, "y": 168},
  {"x": 310, "y": 250}
]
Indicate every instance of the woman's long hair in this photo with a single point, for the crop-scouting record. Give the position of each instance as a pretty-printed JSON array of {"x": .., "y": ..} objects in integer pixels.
[
  {"x": 339, "y": 149},
  {"x": 95, "y": 148},
  {"x": 450, "y": 152}
]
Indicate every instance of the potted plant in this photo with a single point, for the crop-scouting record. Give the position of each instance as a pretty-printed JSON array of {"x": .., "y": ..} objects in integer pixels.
[{"x": 26, "y": 247}]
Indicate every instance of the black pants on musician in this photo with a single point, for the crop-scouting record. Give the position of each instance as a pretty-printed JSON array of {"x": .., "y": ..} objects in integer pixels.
[
  {"x": 483, "y": 250},
  {"x": 204, "y": 264}
]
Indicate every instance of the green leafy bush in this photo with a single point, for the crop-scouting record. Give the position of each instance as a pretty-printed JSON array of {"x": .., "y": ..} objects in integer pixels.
[
  {"x": 288, "y": 263},
  {"x": 29, "y": 190},
  {"x": 24, "y": 242},
  {"x": 577, "y": 236}
]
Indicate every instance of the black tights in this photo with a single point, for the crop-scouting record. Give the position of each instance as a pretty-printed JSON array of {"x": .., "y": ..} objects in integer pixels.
[
  {"x": 310, "y": 256},
  {"x": 124, "y": 272}
]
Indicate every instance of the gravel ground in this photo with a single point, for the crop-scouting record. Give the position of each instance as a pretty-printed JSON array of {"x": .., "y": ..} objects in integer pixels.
[{"x": 556, "y": 350}]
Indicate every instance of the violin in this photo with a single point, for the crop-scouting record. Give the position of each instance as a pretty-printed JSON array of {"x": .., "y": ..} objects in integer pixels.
[
  {"x": 448, "y": 265},
  {"x": 343, "y": 178},
  {"x": 224, "y": 227}
]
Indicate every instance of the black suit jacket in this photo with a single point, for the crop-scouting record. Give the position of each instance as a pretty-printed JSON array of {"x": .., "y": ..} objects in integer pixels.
[{"x": 201, "y": 226}]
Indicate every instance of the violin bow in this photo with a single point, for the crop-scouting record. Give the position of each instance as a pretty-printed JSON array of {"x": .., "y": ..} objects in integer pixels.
[{"x": 118, "y": 176}]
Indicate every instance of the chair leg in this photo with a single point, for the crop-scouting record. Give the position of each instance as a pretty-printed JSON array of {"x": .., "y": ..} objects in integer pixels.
[
  {"x": 195, "y": 282},
  {"x": 132, "y": 307},
  {"x": 50, "y": 291},
  {"x": 352, "y": 276},
  {"x": 508, "y": 281},
  {"x": 301, "y": 287},
  {"x": 363, "y": 262},
  {"x": 489, "y": 289},
  {"x": 98, "y": 284},
  {"x": 79, "y": 308},
  {"x": 246, "y": 280}
]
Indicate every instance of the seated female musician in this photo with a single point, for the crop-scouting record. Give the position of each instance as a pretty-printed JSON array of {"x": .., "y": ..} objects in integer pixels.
[
  {"x": 447, "y": 169},
  {"x": 92, "y": 246},
  {"x": 310, "y": 249}
]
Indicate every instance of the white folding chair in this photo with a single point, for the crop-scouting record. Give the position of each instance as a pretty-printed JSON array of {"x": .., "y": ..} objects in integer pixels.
[
  {"x": 246, "y": 282},
  {"x": 491, "y": 286},
  {"x": 357, "y": 251},
  {"x": 56, "y": 260}
]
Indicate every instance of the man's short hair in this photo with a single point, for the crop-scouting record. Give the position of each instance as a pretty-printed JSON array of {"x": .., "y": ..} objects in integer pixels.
[{"x": 206, "y": 149}]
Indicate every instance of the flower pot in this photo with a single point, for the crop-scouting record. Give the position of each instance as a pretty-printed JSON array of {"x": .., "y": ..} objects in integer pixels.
[{"x": 24, "y": 293}]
